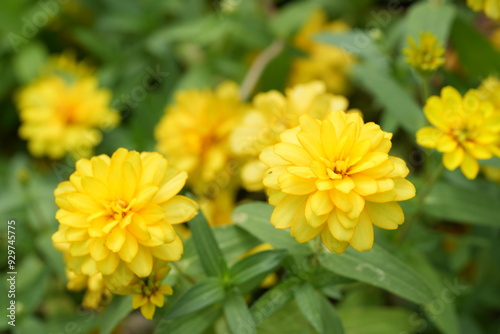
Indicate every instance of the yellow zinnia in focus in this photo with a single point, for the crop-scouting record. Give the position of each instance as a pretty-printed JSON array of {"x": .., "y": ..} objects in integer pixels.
[
  {"x": 335, "y": 178},
  {"x": 464, "y": 128},
  {"x": 64, "y": 111},
  {"x": 324, "y": 62},
  {"x": 116, "y": 215},
  {"x": 194, "y": 135},
  {"x": 426, "y": 56},
  {"x": 270, "y": 115},
  {"x": 490, "y": 7}
]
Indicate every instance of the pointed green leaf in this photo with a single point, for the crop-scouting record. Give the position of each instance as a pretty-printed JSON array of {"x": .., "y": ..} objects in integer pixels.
[
  {"x": 192, "y": 323},
  {"x": 433, "y": 16},
  {"x": 237, "y": 314},
  {"x": 199, "y": 296}
]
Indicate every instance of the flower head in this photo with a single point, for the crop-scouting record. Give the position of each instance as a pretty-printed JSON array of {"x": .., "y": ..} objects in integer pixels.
[
  {"x": 270, "y": 115},
  {"x": 490, "y": 91},
  {"x": 194, "y": 135},
  {"x": 464, "y": 128},
  {"x": 324, "y": 62},
  {"x": 116, "y": 215},
  {"x": 490, "y": 7},
  {"x": 428, "y": 55},
  {"x": 63, "y": 111},
  {"x": 335, "y": 178}
]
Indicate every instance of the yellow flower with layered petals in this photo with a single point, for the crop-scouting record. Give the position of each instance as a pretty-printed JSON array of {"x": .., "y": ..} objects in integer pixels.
[
  {"x": 64, "y": 111},
  {"x": 116, "y": 215},
  {"x": 490, "y": 7},
  {"x": 324, "y": 62},
  {"x": 194, "y": 135},
  {"x": 464, "y": 128},
  {"x": 428, "y": 55},
  {"x": 270, "y": 115},
  {"x": 335, "y": 178}
]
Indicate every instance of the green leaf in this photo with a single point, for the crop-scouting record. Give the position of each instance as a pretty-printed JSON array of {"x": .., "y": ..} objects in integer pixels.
[
  {"x": 192, "y": 323},
  {"x": 379, "y": 268},
  {"x": 250, "y": 271},
  {"x": 237, "y": 314},
  {"x": 287, "y": 319},
  {"x": 29, "y": 60},
  {"x": 391, "y": 96},
  {"x": 379, "y": 320},
  {"x": 460, "y": 204},
  {"x": 254, "y": 218},
  {"x": 433, "y": 16},
  {"x": 115, "y": 312},
  {"x": 199, "y": 296},
  {"x": 476, "y": 54},
  {"x": 273, "y": 300},
  {"x": 234, "y": 241},
  {"x": 209, "y": 252},
  {"x": 494, "y": 162},
  {"x": 291, "y": 18},
  {"x": 318, "y": 310}
]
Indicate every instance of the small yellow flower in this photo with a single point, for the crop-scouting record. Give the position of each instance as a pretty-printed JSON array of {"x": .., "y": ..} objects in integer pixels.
[
  {"x": 324, "y": 62},
  {"x": 116, "y": 215},
  {"x": 94, "y": 285},
  {"x": 490, "y": 7},
  {"x": 428, "y": 55},
  {"x": 270, "y": 115},
  {"x": 464, "y": 128},
  {"x": 490, "y": 91},
  {"x": 64, "y": 111},
  {"x": 194, "y": 135},
  {"x": 335, "y": 178}
]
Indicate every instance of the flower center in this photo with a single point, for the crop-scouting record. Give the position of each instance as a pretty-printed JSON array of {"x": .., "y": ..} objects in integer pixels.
[
  {"x": 338, "y": 170},
  {"x": 119, "y": 208}
]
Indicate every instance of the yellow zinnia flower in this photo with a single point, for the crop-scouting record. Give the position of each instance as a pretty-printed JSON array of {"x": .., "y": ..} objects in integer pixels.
[
  {"x": 194, "y": 135},
  {"x": 116, "y": 215},
  {"x": 324, "y": 62},
  {"x": 335, "y": 178},
  {"x": 490, "y": 7},
  {"x": 270, "y": 115},
  {"x": 464, "y": 128},
  {"x": 428, "y": 55},
  {"x": 64, "y": 111},
  {"x": 490, "y": 91}
]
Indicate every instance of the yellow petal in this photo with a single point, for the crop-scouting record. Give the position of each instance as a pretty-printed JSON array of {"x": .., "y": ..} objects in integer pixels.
[
  {"x": 333, "y": 244},
  {"x": 295, "y": 185},
  {"x": 295, "y": 154},
  {"x": 129, "y": 185},
  {"x": 138, "y": 301},
  {"x": 115, "y": 239},
  {"x": 470, "y": 167},
  {"x": 89, "y": 266},
  {"x": 100, "y": 167},
  {"x": 80, "y": 248},
  {"x": 358, "y": 204},
  {"x": 321, "y": 203},
  {"x": 404, "y": 189},
  {"x": 364, "y": 185},
  {"x": 152, "y": 214},
  {"x": 341, "y": 201},
  {"x": 345, "y": 220},
  {"x": 313, "y": 219},
  {"x": 97, "y": 249},
  {"x": 109, "y": 264},
  {"x": 129, "y": 249},
  {"x": 76, "y": 234},
  {"x": 301, "y": 230},
  {"x": 284, "y": 212},
  {"x": 148, "y": 310},
  {"x": 303, "y": 172},
  {"x": 385, "y": 215},
  {"x": 271, "y": 159},
  {"x": 429, "y": 136},
  {"x": 180, "y": 209},
  {"x": 82, "y": 202},
  {"x": 382, "y": 197},
  {"x": 95, "y": 188},
  {"x": 157, "y": 299},
  {"x": 345, "y": 184},
  {"x": 169, "y": 252},
  {"x": 311, "y": 144},
  {"x": 337, "y": 229},
  {"x": 171, "y": 188},
  {"x": 272, "y": 175},
  {"x": 446, "y": 143},
  {"x": 142, "y": 264},
  {"x": 362, "y": 239},
  {"x": 453, "y": 159}
]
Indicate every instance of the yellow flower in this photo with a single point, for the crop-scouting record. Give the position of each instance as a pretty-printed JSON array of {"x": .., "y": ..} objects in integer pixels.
[
  {"x": 64, "y": 111},
  {"x": 490, "y": 91},
  {"x": 96, "y": 290},
  {"x": 335, "y": 178},
  {"x": 149, "y": 293},
  {"x": 464, "y": 129},
  {"x": 116, "y": 215},
  {"x": 194, "y": 135},
  {"x": 490, "y": 7},
  {"x": 271, "y": 114},
  {"x": 428, "y": 55},
  {"x": 324, "y": 62}
]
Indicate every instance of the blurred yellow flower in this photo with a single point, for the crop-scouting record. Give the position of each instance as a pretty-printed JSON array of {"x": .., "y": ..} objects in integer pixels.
[
  {"x": 335, "y": 178},
  {"x": 464, "y": 128},
  {"x": 95, "y": 292},
  {"x": 490, "y": 7},
  {"x": 324, "y": 62},
  {"x": 428, "y": 55},
  {"x": 271, "y": 114},
  {"x": 194, "y": 135},
  {"x": 490, "y": 91},
  {"x": 64, "y": 110},
  {"x": 116, "y": 215}
]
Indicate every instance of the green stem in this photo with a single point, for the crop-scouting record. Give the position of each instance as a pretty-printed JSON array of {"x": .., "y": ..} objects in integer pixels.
[{"x": 421, "y": 196}]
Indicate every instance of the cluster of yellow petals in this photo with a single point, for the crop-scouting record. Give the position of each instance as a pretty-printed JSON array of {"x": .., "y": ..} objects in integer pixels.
[
  {"x": 324, "y": 62},
  {"x": 116, "y": 215},
  {"x": 194, "y": 135},
  {"x": 64, "y": 111},
  {"x": 464, "y": 128},
  {"x": 95, "y": 292},
  {"x": 490, "y": 7},
  {"x": 335, "y": 178},
  {"x": 427, "y": 55},
  {"x": 270, "y": 115}
]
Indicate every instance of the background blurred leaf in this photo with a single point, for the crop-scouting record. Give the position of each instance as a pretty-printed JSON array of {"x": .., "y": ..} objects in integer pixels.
[
  {"x": 192, "y": 323},
  {"x": 436, "y": 17},
  {"x": 378, "y": 320},
  {"x": 237, "y": 315}
]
